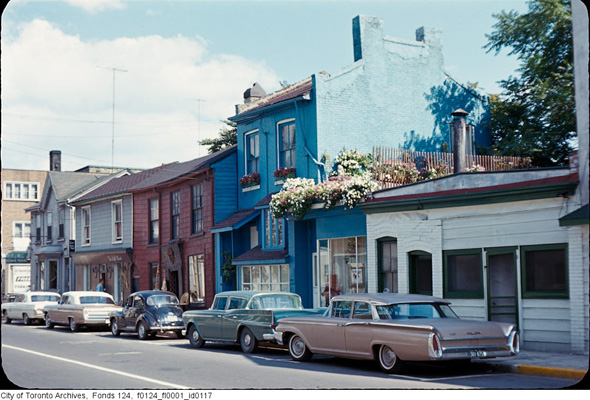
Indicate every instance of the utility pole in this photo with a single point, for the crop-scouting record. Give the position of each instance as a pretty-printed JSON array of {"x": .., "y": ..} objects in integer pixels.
[{"x": 113, "y": 123}]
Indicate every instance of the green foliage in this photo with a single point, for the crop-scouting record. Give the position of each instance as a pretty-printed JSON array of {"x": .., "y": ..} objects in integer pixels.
[
  {"x": 228, "y": 136},
  {"x": 228, "y": 270},
  {"x": 535, "y": 114}
]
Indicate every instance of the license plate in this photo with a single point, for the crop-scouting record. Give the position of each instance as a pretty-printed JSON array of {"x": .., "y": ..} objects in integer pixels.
[{"x": 477, "y": 353}]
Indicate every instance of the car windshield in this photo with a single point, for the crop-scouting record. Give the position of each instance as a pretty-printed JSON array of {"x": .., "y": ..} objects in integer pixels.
[
  {"x": 415, "y": 310},
  {"x": 96, "y": 300},
  {"x": 161, "y": 299},
  {"x": 44, "y": 298},
  {"x": 275, "y": 301}
]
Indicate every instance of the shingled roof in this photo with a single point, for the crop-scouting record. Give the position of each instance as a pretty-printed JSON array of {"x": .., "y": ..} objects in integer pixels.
[
  {"x": 175, "y": 171},
  {"x": 293, "y": 91}
]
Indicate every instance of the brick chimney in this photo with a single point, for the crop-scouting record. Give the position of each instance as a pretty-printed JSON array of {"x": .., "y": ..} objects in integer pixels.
[
  {"x": 55, "y": 160},
  {"x": 459, "y": 129}
]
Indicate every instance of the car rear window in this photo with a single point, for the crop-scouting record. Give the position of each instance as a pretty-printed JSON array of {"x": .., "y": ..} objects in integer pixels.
[
  {"x": 96, "y": 300},
  {"x": 44, "y": 298},
  {"x": 408, "y": 311},
  {"x": 161, "y": 299},
  {"x": 276, "y": 301}
]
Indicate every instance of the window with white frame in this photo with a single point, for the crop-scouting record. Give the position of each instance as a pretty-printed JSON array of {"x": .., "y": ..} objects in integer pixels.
[
  {"x": 196, "y": 269},
  {"x": 85, "y": 226},
  {"x": 49, "y": 217},
  {"x": 21, "y": 230},
  {"x": 154, "y": 221},
  {"x": 252, "y": 153},
  {"x": 273, "y": 278},
  {"x": 38, "y": 227},
  {"x": 24, "y": 191},
  {"x": 286, "y": 131},
  {"x": 117, "y": 218},
  {"x": 273, "y": 230},
  {"x": 61, "y": 215}
]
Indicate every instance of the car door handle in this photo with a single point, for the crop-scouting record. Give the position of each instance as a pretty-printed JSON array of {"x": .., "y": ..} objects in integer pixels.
[{"x": 234, "y": 317}]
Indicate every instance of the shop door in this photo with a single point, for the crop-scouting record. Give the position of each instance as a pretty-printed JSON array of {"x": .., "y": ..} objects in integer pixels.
[
  {"x": 421, "y": 273},
  {"x": 502, "y": 300},
  {"x": 173, "y": 283},
  {"x": 387, "y": 266}
]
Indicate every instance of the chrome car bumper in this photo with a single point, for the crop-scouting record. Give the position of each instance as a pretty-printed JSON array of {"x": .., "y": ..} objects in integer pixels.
[
  {"x": 278, "y": 337},
  {"x": 468, "y": 353}
]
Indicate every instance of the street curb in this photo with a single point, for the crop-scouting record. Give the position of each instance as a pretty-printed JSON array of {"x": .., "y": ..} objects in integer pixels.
[{"x": 555, "y": 372}]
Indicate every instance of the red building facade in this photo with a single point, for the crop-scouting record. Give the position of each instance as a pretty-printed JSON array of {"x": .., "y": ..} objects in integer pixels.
[{"x": 173, "y": 248}]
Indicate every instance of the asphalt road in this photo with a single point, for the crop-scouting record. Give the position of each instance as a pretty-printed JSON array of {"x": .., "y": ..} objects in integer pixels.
[{"x": 34, "y": 357}]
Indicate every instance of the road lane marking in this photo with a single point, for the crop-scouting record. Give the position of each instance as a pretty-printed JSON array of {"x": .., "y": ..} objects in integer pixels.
[
  {"x": 112, "y": 371},
  {"x": 120, "y": 353}
]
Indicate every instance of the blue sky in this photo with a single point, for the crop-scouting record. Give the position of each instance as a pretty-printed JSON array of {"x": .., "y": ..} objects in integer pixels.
[{"x": 188, "y": 63}]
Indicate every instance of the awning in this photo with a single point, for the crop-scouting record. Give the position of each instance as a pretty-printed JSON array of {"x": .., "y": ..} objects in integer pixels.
[
  {"x": 578, "y": 217},
  {"x": 257, "y": 256},
  {"x": 236, "y": 221},
  {"x": 49, "y": 250},
  {"x": 103, "y": 257},
  {"x": 17, "y": 257}
]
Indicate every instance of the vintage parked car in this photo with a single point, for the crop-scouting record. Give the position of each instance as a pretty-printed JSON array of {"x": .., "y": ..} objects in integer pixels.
[
  {"x": 80, "y": 308},
  {"x": 394, "y": 328},
  {"x": 147, "y": 313},
  {"x": 28, "y": 306},
  {"x": 246, "y": 317}
]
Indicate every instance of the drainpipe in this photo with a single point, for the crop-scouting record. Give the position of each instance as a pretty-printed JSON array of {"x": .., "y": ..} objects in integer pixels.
[{"x": 459, "y": 129}]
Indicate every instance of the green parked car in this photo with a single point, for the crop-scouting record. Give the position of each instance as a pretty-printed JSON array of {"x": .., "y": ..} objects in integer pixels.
[{"x": 242, "y": 316}]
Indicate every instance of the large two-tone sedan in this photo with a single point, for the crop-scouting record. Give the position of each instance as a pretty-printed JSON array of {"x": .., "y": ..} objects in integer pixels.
[
  {"x": 81, "y": 308},
  {"x": 394, "y": 328},
  {"x": 242, "y": 316},
  {"x": 28, "y": 306},
  {"x": 147, "y": 313}
]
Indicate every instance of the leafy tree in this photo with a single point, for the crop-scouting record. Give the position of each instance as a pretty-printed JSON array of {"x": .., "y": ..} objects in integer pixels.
[
  {"x": 534, "y": 116},
  {"x": 228, "y": 136}
]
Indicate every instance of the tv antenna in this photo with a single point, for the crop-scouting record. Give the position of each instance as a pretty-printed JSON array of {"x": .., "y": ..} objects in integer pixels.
[{"x": 113, "y": 122}]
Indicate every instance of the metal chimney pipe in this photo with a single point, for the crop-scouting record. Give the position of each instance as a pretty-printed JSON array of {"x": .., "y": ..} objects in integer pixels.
[{"x": 459, "y": 129}]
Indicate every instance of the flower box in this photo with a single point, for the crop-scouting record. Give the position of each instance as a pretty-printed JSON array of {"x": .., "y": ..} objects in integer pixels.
[
  {"x": 250, "y": 180},
  {"x": 285, "y": 173}
]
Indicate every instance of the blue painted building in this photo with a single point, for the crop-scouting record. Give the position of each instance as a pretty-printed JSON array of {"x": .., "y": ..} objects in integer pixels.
[{"x": 397, "y": 94}]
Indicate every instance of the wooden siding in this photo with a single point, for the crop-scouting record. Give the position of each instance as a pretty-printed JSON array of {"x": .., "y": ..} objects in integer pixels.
[
  {"x": 101, "y": 225},
  {"x": 544, "y": 324},
  {"x": 226, "y": 187}
]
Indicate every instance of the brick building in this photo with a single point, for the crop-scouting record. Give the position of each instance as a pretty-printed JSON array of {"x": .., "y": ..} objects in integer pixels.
[
  {"x": 20, "y": 190},
  {"x": 173, "y": 212}
]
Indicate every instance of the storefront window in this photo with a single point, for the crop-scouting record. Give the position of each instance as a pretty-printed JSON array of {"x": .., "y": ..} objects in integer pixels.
[
  {"x": 274, "y": 278},
  {"x": 342, "y": 267}
]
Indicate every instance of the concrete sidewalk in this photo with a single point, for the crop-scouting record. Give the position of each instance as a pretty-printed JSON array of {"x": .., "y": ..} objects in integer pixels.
[{"x": 557, "y": 365}]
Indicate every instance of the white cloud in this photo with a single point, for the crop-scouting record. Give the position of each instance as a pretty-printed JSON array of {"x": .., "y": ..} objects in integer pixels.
[
  {"x": 51, "y": 81},
  {"x": 94, "y": 6}
]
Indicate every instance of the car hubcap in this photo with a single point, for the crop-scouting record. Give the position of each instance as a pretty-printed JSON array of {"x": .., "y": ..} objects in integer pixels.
[
  {"x": 387, "y": 357},
  {"x": 195, "y": 335},
  {"x": 247, "y": 340},
  {"x": 141, "y": 330},
  {"x": 297, "y": 346},
  {"x": 115, "y": 327}
]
